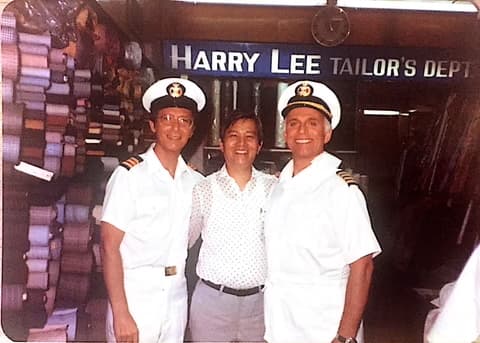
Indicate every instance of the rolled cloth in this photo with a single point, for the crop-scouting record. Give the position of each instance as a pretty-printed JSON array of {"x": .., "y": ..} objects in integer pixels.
[{"x": 10, "y": 61}]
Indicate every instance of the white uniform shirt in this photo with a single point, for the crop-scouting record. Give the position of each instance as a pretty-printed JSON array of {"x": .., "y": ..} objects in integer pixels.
[
  {"x": 231, "y": 224},
  {"x": 459, "y": 318},
  {"x": 153, "y": 210},
  {"x": 315, "y": 226}
]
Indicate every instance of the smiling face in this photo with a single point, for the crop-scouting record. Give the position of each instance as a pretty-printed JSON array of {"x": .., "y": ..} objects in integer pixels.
[
  {"x": 173, "y": 128},
  {"x": 241, "y": 144},
  {"x": 306, "y": 133}
]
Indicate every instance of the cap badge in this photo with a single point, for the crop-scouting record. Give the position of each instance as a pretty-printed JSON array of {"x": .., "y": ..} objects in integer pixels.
[
  {"x": 304, "y": 89},
  {"x": 175, "y": 90}
]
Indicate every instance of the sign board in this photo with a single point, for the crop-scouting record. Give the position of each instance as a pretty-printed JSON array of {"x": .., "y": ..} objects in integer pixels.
[{"x": 287, "y": 61}]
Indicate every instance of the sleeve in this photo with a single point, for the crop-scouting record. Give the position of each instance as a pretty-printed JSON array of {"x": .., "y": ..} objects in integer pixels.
[
  {"x": 118, "y": 204},
  {"x": 356, "y": 233},
  {"x": 196, "y": 216},
  {"x": 271, "y": 183},
  {"x": 459, "y": 317}
]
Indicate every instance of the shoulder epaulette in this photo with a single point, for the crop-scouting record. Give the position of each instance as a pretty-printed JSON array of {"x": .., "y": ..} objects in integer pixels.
[
  {"x": 347, "y": 177},
  {"x": 131, "y": 162}
]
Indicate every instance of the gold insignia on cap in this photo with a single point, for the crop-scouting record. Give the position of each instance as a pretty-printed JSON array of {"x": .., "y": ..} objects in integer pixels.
[
  {"x": 131, "y": 162},
  {"x": 304, "y": 89},
  {"x": 175, "y": 90}
]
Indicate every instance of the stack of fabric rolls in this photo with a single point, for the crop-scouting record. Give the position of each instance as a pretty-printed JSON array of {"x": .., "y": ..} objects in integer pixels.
[
  {"x": 42, "y": 274},
  {"x": 45, "y": 102},
  {"x": 77, "y": 256}
]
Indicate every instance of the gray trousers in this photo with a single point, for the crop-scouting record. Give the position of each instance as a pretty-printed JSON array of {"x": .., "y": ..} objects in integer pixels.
[{"x": 220, "y": 317}]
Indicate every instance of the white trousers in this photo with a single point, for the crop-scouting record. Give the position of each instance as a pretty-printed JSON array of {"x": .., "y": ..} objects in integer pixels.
[{"x": 157, "y": 303}]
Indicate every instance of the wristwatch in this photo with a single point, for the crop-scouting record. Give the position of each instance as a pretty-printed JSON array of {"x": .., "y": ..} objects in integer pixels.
[{"x": 342, "y": 339}]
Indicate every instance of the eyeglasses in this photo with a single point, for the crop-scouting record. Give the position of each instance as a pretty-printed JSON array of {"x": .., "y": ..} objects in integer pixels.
[{"x": 169, "y": 120}]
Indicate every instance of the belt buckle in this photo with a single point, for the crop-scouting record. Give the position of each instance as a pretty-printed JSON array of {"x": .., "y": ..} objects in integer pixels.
[{"x": 170, "y": 270}]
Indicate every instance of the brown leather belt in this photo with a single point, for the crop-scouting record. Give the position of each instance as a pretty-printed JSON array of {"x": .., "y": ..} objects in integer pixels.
[{"x": 233, "y": 291}]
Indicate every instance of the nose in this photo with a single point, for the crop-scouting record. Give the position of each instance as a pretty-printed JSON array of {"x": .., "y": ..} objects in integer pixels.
[
  {"x": 302, "y": 127},
  {"x": 242, "y": 141},
  {"x": 175, "y": 124}
]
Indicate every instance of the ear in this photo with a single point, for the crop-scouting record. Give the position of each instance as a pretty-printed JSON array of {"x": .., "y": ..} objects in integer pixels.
[
  {"x": 328, "y": 136},
  {"x": 221, "y": 147},
  {"x": 259, "y": 147},
  {"x": 151, "y": 123}
]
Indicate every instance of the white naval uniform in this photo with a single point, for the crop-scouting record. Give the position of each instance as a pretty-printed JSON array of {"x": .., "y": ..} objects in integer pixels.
[
  {"x": 153, "y": 210},
  {"x": 458, "y": 320},
  {"x": 315, "y": 226}
]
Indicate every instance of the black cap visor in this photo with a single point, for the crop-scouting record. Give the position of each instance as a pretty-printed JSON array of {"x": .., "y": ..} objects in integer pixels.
[
  {"x": 317, "y": 105},
  {"x": 168, "y": 101}
]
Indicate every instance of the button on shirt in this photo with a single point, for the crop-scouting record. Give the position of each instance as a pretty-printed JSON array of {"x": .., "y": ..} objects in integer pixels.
[
  {"x": 316, "y": 225},
  {"x": 153, "y": 210},
  {"x": 231, "y": 225}
]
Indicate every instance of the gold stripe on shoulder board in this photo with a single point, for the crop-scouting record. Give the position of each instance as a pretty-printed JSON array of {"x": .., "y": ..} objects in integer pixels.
[
  {"x": 131, "y": 162},
  {"x": 347, "y": 177}
]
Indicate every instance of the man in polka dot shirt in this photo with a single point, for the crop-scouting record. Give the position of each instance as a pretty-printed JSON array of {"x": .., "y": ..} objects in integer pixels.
[{"x": 228, "y": 212}]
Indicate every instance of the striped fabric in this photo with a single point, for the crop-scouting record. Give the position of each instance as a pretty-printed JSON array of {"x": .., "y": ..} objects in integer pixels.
[
  {"x": 57, "y": 56},
  {"x": 8, "y": 19},
  {"x": 12, "y": 118},
  {"x": 11, "y": 148},
  {"x": 42, "y": 214},
  {"x": 31, "y": 60},
  {"x": 10, "y": 61},
  {"x": 35, "y": 81},
  {"x": 13, "y": 296},
  {"x": 34, "y": 49},
  {"x": 73, "y": 262},
  {"x": 30, "y": 38},
  {"x": 7, "y": 91},
  {"x": 52, "y": 163},
  {"x": 76, "y": 237},
  {"x": 43, "y": 73},
  {"x": 9, "y": 35}
]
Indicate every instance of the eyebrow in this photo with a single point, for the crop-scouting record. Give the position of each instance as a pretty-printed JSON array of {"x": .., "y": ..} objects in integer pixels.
[{"x": 238, "y": 131}]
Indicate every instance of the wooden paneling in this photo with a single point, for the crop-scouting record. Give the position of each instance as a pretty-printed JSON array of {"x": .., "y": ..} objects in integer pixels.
[{"x": 292, "y": 25}]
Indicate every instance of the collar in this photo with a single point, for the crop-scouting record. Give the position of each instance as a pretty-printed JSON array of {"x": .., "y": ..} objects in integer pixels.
[
  {"x": 154, "y": 165},
  {"x": 322, "y": 165},
  {"x": 223, "y": 174}
]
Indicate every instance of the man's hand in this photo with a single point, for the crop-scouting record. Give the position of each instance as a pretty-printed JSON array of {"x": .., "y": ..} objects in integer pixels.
[{"x": 125, "y": 328}]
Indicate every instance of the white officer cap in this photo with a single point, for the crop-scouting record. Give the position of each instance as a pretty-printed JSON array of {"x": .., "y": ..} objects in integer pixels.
[
  {"x": 311, "y": 94},
  {"x": 174, "y": 92}
]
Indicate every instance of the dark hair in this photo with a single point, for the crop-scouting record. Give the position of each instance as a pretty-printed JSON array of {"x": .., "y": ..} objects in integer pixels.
[{"x": 237, "y": 115}]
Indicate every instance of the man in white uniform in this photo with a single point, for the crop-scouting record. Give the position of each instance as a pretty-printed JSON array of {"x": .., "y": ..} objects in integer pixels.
[
  {"x": 145, "y": 223},
  {"x": 318, "y": 235},
  {"x": 228, "y": 211},
  {"x": 458, "y": 318}
]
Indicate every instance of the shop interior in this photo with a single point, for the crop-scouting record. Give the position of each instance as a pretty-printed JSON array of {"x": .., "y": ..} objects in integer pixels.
[{"x": 73, "y": 73}]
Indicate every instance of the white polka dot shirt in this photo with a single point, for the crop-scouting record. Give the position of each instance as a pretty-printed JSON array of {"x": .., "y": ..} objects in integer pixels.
[{"x": 230, "y": 222}]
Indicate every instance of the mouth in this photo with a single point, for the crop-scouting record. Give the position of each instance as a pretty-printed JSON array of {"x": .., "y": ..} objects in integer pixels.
[
  {"x": 302, "y": 141},
  {"x": 174, "y": 137},
  {"x": 241, "y": 152}
]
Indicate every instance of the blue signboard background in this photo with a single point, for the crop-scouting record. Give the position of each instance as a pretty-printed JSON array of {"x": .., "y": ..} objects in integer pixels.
[{"x": 288, "y": 61}]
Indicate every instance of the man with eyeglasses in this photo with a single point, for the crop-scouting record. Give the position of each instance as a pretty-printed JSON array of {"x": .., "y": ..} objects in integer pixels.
[
  {"x": 318, "y": 235},
  {"x": 145, "y": 223}
]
